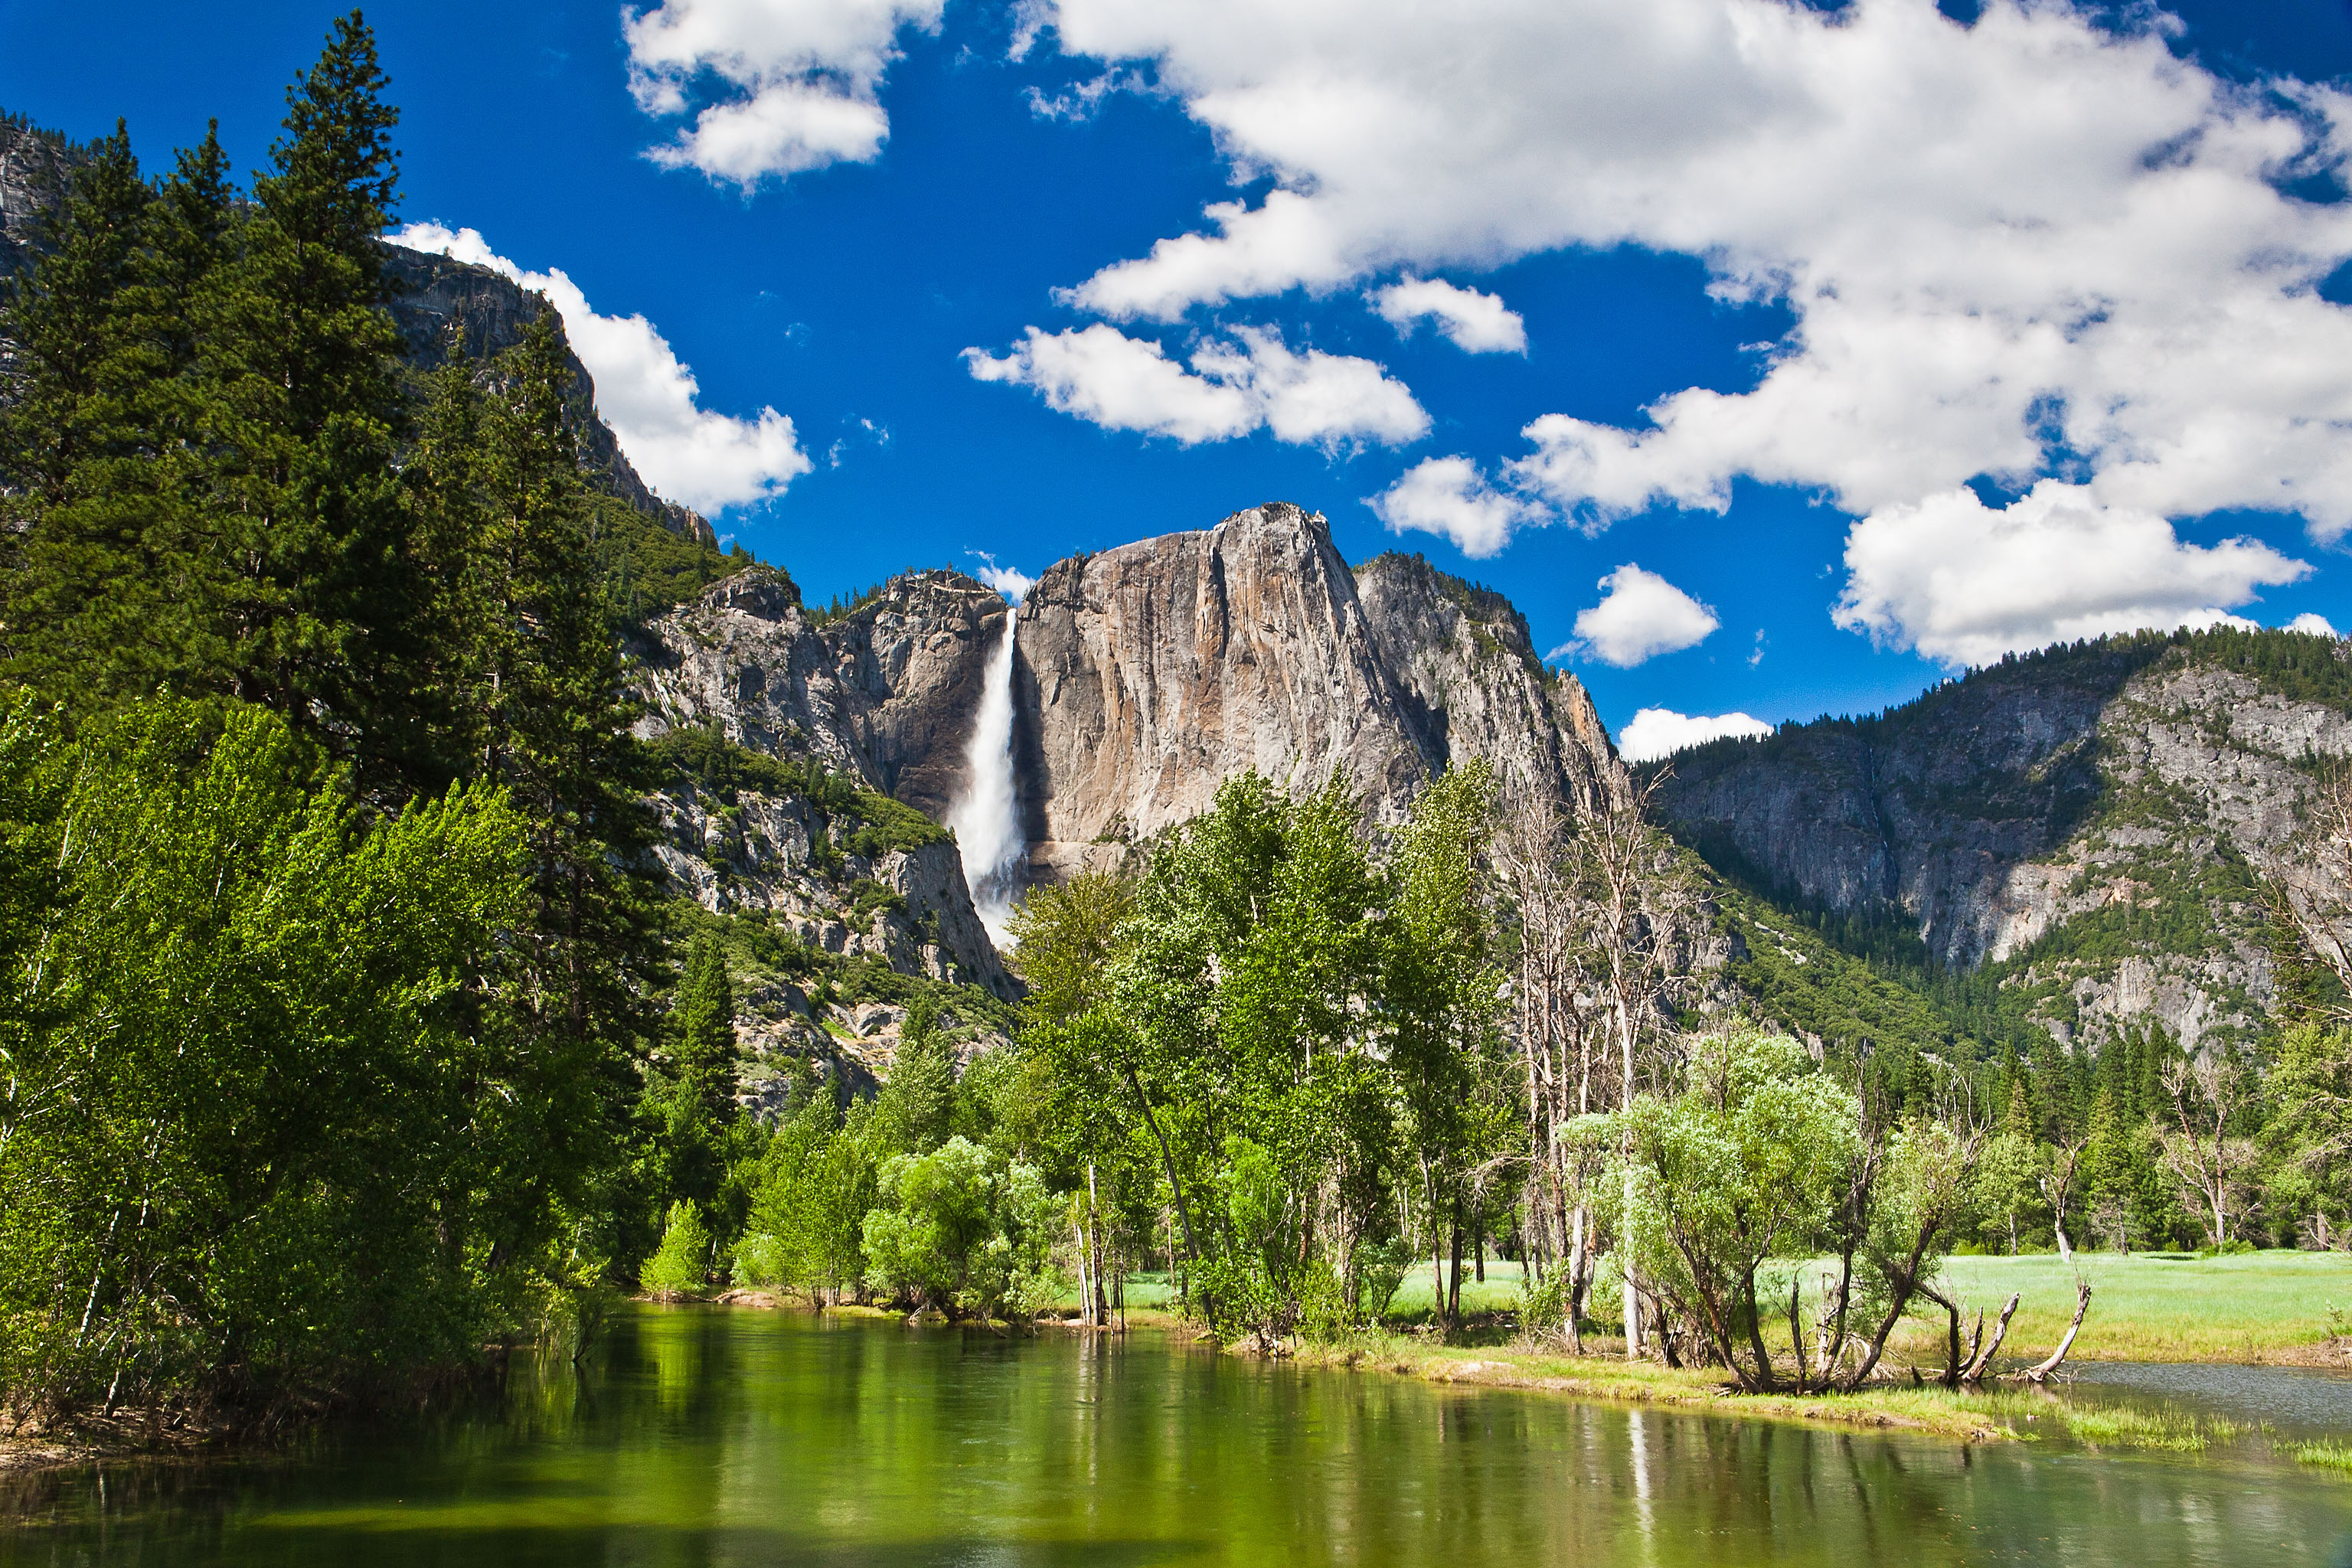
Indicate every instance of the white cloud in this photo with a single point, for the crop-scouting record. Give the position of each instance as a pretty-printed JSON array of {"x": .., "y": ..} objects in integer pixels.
[
  {"x": 1640, "y": 617},
  {"x": 1449, "y": 496},
  {"x": 1478, "y": 323},
  {"x": 688, "y": 454},
  {"x": 1253, "y": 380},
  {"x": 800, "y": 79},
  {"x": 1964, "y": 583},
  {"x": 1009, "y": 581},
  {"x": 2011, "y": 248},
  {"x": 1656, "y": 732},
  {"x": 2312, "y": 623}
]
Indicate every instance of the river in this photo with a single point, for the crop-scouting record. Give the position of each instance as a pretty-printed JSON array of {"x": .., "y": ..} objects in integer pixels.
[{"x": 717, "y": 1436}]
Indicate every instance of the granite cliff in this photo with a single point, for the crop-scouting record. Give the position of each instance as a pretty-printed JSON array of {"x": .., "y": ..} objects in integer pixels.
[
  {"x": 2094, "y": 824},
  {"x": 1148, "y": 674},
  {"x": 1142, "y": 679}
]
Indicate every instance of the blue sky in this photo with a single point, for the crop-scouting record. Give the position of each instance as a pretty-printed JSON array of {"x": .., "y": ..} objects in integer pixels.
[{"x": 1902, "y": 269}]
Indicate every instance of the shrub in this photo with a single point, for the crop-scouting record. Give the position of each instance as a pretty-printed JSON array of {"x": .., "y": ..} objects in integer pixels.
[{"x": 681, "y": 1265}]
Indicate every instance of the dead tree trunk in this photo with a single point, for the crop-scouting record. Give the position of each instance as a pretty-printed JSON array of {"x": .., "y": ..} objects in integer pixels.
[
  {"x": 2040, "y": 1372},
  {"x": 1979, "y": 1362}
]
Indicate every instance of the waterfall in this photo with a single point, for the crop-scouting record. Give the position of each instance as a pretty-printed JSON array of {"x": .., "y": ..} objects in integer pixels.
[{"x": 987, "y": 820}]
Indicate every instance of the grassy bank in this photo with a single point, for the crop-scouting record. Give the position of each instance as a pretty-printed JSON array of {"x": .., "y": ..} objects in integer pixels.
[{"x": 2257, "y": 1307}]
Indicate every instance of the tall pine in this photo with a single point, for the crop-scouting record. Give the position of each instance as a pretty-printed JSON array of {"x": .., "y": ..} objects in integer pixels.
[{"x": 316, "y": 614}]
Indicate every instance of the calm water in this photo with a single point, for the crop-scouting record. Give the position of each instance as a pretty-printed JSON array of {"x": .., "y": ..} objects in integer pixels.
[{"x": 719, "y": 1437}]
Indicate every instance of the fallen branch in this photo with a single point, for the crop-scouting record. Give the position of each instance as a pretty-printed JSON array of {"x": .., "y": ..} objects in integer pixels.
[
  {"x": 1979, "y": 1363},
  {"x": 2041, "y": 1374}
]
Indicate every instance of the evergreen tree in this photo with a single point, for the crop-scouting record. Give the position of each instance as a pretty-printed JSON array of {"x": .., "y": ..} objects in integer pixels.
[
  {"x": 313, "y": 611},
  {"x": 706, "y": 1059},
  {"x": 112, "y": 568},
  {"x": 79, "y": 370},
  {"x": 66, "y": 319}
]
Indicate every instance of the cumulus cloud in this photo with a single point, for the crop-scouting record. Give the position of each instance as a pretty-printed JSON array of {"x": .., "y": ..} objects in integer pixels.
[
  {"x": 710, "y": 461},
  {"x": 1009, "y": 581},
  {"x": 1449, "y": 496},
  {"x": 1235, "y": 385},
  {"x": 1640, "y": 617},
  {"x": 2029, "y": 244},
  {"x": 1479, "y": 323},
  {"x": 2312, "y": 623},
  {"x": 1963, "y": 583},
  {"x": 1656, "y": 732},
  {"x": 798, "y": 80}
]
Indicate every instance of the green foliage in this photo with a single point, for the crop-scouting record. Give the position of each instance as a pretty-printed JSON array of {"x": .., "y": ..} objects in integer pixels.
[
  {"x": 1746, "y": 1163},
  {"x": 839, "y": 608},
  {"x": 1064, "y": 940},
  {"x": 681, "y": 1265},
  {"x": 645, "y": 569},
  {"x": 224, "y": 488},
  {"x": 813, "y": 1187},
  {"x": 266, "y": 1130},
  {"x": 961, "y": 1231},
  {"x": 915, "y": 1110}
]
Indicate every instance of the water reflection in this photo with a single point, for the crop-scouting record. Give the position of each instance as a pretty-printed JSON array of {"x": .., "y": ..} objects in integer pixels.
[
  {"x": 708, "y": 1437},
  {"x": 2306, "y": 1401}
]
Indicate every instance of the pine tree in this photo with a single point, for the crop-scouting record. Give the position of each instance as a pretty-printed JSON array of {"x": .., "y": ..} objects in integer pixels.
[
  {"x": 66, "y": 319},
  {"x": 706, "y": 1007},
  {"x": 108, "y": 606},
  {"x": 79, "y": 368},
  {"x": 304, "y": 415}
]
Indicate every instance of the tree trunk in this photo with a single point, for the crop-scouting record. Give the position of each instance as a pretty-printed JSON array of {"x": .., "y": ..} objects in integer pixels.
[
  {"x": 2040, "y": 1372},
  {"x": 1983, "y": 1359},
  {"x": 1454, "y": 1292}
]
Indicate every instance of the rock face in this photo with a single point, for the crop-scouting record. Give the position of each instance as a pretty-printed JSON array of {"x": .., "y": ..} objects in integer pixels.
[
  {"x": 2131, "y": 785},
  {"x": 885, "y": 695},
  {"x": 1144, "y": 677},
  {"x": 34, "y": 165},
  {"x": 1148, "y": 674}
]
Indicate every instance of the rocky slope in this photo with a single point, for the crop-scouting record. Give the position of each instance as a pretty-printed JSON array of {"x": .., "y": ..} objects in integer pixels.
[
  {"x": 442, "y": 306},
  {"x": 884, "y": 697},
  {"x": 1148, "y": 674},
  {"x": 2094, "y": 822}
]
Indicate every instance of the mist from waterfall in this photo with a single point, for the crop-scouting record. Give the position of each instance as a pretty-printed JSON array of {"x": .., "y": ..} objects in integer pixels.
[{"x": 987, "y": 819}]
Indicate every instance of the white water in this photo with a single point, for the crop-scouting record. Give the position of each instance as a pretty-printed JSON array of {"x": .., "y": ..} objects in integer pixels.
[{"x": 987, "y": 820}]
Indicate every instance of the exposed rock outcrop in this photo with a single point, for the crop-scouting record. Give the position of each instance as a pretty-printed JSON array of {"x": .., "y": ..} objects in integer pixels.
[
  {"x": 1148, "y": 674},
  {"x": 885, "y": 695},
  {"x": 2131, "y": 781}
]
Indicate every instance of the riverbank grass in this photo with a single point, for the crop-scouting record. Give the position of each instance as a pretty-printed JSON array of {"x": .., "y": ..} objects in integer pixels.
[{"x": 2250, "y": 1308}]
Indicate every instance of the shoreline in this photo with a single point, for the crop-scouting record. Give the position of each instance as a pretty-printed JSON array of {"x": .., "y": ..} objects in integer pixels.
[
  {"x": 1931, "y": 1410},
  {"x": 1991, "y": 1414}
]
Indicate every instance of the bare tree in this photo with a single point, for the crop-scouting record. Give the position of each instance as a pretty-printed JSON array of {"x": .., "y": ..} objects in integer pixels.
[
  {"x": 2057, "y": 1184},
  {"x": 1531, "y": 850},
  {"x": 2207, "y": 1093},
  {"x": 1607, "y": 911},
  {"x": 1634, "y": 901}
]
